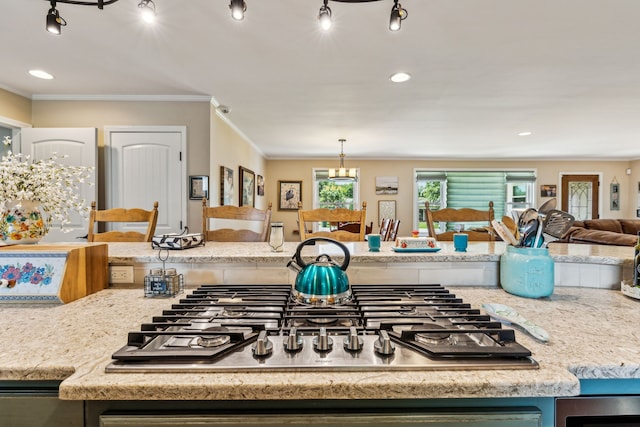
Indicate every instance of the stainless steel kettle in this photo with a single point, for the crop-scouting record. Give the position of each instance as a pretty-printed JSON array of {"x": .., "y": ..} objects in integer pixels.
[{"x": 324, "y": 281}]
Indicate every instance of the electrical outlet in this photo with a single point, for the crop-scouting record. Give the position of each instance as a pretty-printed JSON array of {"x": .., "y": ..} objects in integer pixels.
[{"x": 121, "y": 274}]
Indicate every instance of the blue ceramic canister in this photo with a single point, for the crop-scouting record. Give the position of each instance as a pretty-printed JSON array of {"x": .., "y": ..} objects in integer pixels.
[{"x": 527, "y": 272}]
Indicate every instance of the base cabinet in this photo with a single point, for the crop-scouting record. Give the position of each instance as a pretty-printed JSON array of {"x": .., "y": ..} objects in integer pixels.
[
  {"x": 485, "y": 417},
  {"x": 40, "y": 411}
]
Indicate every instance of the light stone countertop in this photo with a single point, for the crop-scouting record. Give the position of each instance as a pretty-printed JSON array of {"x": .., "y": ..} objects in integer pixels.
[
  {"x": 243, "y": 252},
  {"x": 594, "y": 335}
]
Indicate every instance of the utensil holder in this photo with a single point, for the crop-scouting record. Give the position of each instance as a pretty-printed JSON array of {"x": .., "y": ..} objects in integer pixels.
[
  {"x": 527, "y": 272},
  {"x": 164, "y": 284}
]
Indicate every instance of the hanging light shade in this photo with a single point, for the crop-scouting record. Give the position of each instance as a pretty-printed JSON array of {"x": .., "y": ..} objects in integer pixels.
[{"x": 343, "y": 174}]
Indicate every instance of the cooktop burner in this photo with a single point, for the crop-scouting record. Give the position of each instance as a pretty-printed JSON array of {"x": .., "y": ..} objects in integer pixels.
[{"x": 261, "y": 328}]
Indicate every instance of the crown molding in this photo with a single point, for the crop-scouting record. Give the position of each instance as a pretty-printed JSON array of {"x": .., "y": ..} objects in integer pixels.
[{"x": 131, "y": 98}]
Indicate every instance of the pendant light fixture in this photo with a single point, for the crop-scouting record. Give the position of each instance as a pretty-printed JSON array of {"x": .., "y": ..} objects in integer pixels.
[{"x": 343, "y": 174}]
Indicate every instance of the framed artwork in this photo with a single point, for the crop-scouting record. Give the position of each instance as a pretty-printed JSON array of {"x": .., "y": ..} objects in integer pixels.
[
  {"x": 615, "y": 197},
  {"x": 198, "y": 187},
  {"x": 548, "y": 191},
  {"x": 260, "y": 188},
  {"x": 386, "y": 185},
  {"x": 386, "y": 209},
  {"x": 226, "y": 186},
  {"x": 247, "y": 187},
  {"x": 290, "y": 195}
]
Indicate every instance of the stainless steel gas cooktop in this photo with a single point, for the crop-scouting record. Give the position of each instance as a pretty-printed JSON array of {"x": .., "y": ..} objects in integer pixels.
[{"x": 251, "y": 328}]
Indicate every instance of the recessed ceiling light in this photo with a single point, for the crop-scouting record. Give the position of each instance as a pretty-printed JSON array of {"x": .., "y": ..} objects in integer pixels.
[
  {"x": 400, "y": 77},
  {"x": 40, "y": 74},
  {"x": 527, "y": 133}
]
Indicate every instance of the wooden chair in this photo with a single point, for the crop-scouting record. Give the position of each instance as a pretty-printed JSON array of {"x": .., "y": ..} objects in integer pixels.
[
  {"x": 385, "y": 229},
  {"x": 461, "y": 215},
  {"x": 339, "y": 215},
  {"x": 354, "y": 227},
  {"x": 122, "y": 215},
  {"x": 247, "y": 215},
  {"x": 393, "y": 230}
]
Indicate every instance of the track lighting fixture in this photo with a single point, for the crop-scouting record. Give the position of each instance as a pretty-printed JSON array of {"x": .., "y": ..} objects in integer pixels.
[
  {"x": 324, "y": 16},
  {"x": 398, "y": 14},
  {"x": 147, "y": 10},
  {"x": 55, "y": 22},
  {"x": 238, "y": 8}
]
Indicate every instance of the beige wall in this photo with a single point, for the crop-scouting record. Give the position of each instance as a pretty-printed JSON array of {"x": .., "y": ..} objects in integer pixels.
[
  {"x": 213, "y": 143},
  {"x": 194, "y": 115},
  {"x": 230, "y": 149},
  {"x": 15, "y": 107},
  {"x": 547, "y": 172}
]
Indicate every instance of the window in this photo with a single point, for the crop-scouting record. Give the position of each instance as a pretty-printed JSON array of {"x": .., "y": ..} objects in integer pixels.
[
  {"x": 508, "y": 190},
  {"x": 331, "y": 194}
]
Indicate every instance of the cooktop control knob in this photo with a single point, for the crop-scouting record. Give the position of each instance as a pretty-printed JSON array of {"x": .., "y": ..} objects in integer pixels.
[
  {"x": 383, "y": 344},
  {"x": 262, "y": 346},
  {"x": 353, "y": 342},
  {"x": 294, "y": 341},
  {"x": 322, "y": 342}
]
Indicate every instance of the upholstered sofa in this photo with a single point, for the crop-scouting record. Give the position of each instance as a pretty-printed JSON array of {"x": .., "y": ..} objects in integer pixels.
[{"x": 618, "y": 232}]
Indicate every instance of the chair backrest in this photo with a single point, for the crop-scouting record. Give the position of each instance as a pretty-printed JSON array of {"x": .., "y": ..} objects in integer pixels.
[
  {"x": 460, "y": 216},
  {"x": 122, "y": 215},
  {"x": 393, "y": 230},
  {"x": 258, "y": 217},
  {"x": 354, "y": 227},
  {"x": 385, "y": 228},
  {"x": 335, "y": 216}
]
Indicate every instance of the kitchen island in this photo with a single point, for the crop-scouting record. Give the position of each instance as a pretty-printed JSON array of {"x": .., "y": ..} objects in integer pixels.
[
  {"x": 594, "y": 336},
  {"x": 73, "y": 343}
]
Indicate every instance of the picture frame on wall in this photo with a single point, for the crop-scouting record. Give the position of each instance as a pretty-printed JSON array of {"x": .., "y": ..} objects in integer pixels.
[
  {"x": 290, "y": 195},
  {"x": 198, "y": 187},
  {"x": 386, "y": 209},
  {"x": 615, "y": 197},
  {"x": 386, "y": 185},
  {"x": 226, "y": 186},
  {"x": 260, "y": 188},
  {"x": 247, "y": 180},
  {"x": 548, "y": 190}
]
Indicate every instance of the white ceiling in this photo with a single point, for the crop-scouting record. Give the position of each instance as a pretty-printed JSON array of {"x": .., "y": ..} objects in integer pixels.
[{"x": 483, "y": 71}]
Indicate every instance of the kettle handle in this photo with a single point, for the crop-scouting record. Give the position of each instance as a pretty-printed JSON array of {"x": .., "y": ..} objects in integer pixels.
[{"x": 312, "y": 241}]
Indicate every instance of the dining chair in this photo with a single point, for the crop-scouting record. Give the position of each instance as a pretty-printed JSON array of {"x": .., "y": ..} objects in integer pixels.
[
  {"x": 136, "y": 216},
  {"x": 250, "y": 224},
  {"x": 385, "y": 229},
  {"x": 339, "y": 215},
  {"x": 461, "y": 216},
  {"x": 393, "y": 230}
]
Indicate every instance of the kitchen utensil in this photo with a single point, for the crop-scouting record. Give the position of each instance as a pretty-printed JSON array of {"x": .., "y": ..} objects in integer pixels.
[
  {"x": 322, "y": 282},
  {"x": 548, "y": 206},
  {"x": 538, "y": 242},
  {"x": 527, "y": 233},
  {"x": 504, "y": 233},
  {"x": 510, "y": 225},
  {"x": 506, "y": 314},
  {"x": 526, "y": 217},
  {"x": 556, "y": 223}
]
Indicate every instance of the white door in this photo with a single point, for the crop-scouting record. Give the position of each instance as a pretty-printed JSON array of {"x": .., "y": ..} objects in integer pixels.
[
  {"x": 80, "y": 147},
  {"x": 144, "y": 165}
]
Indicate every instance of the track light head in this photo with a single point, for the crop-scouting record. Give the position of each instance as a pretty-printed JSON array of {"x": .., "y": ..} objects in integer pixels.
[
  {"x": 324, "y": 16},
  {"x": 398, "y": 14},
  {"x": 147, "y": 10},
  {"x": 238, "y": 8},
  {"x": 54, "y": 21}
]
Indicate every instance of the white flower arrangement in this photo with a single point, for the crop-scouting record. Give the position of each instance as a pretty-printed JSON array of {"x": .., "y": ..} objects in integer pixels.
[{"x": 54, "y": 185}]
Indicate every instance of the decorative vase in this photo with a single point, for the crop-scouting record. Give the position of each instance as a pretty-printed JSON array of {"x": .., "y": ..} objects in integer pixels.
[{"x": 21, "y": 222}]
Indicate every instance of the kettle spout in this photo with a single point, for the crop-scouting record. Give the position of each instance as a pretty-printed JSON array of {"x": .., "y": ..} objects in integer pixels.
[{"x": 294, "y": 266}]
